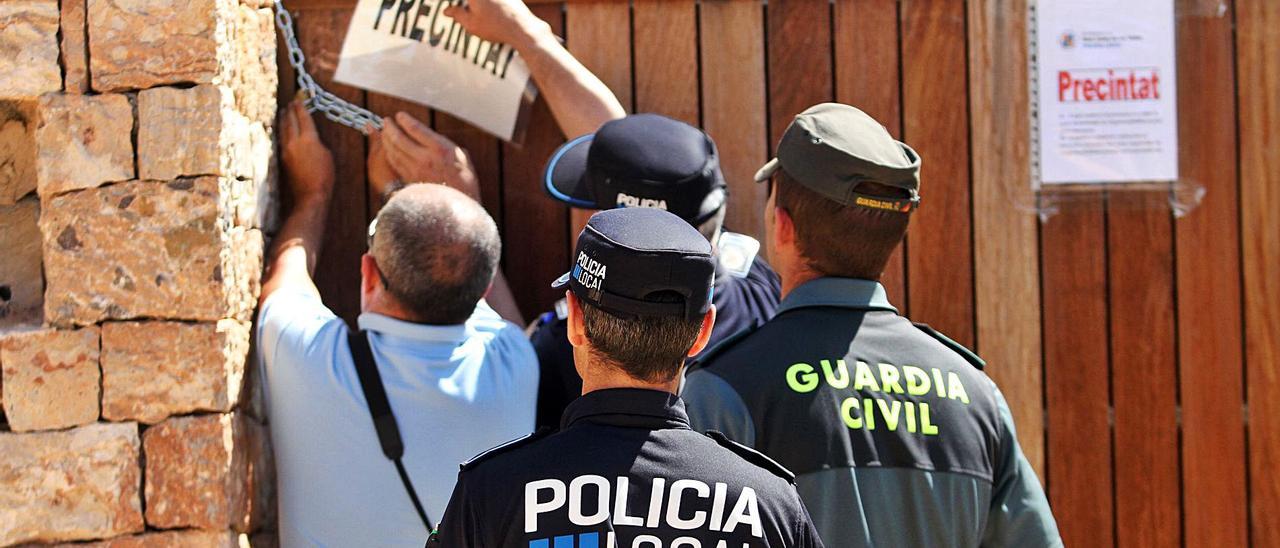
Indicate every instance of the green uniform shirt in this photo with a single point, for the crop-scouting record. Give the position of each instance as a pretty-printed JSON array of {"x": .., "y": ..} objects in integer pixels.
[{"x": 895, "y": 434}]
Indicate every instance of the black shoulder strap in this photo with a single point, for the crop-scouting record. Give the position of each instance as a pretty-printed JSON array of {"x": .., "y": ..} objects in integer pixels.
[
  {"x": 708, "y": 355},
  {"x": 384, "y": 421},
  {"x": 752, "y": 456},
  {"x": 968, "y": 355},
  {"x": 503, "y": 448}
]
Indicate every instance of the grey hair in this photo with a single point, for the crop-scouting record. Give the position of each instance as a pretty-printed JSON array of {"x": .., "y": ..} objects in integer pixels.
[{"x": 437, "y": 251}]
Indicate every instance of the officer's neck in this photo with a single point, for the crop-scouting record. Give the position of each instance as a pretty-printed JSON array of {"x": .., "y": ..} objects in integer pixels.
[
  {"x": 796, "y": 277},
  {"x": 600, "y": 376}
]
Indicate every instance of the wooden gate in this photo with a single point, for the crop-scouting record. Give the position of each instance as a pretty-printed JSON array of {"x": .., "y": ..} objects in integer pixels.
[{"x": 1134, "y": 346}]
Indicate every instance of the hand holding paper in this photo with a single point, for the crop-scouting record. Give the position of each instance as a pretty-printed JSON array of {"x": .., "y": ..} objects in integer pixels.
[{"x": 505, "y": 21}]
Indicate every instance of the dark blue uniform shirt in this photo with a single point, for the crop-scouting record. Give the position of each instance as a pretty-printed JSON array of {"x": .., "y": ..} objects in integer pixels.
[
  {"x": 741, "y": 303},
  {"x": 624, "y": 471}
]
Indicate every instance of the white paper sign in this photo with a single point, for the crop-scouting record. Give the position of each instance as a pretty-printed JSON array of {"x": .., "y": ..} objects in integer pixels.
[
  {"x": 411, "y": 50},
  {"x": 1107, "y": 96}
]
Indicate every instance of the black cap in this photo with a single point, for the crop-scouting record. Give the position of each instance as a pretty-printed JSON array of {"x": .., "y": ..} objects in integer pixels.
[
  {"x": 642, "y": 262},
  {"x": 643, "y": 160},
  {"x": 833, "y": 148}
]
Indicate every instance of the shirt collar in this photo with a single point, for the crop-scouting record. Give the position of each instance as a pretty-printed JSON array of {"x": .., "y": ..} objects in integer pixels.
[
  {"x": 840, "y": 292},
  {"x": 419, "y": 332},
  {"x": 627, "y": 407}
]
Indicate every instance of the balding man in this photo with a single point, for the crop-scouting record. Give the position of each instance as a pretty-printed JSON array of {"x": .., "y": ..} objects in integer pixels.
[{"x": 369, "y": 427}]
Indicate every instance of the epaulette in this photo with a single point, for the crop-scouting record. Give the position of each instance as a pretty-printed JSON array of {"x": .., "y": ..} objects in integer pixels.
[
  {"x": 508, "y": 446},
  {"x": 958, "y": 348},
  {"x": 711, "y": 353},
  {"x": 752, "y": 456}
]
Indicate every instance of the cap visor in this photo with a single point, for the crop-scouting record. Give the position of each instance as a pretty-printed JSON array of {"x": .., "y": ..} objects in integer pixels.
[
  {"x": 767, "y": 171},
  {"x": 562, "y": 281},
  {"x": 564, "y": 176}
]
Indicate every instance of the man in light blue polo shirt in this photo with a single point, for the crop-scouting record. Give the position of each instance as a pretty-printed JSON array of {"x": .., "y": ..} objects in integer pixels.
[{"x": 459, "y": 378}]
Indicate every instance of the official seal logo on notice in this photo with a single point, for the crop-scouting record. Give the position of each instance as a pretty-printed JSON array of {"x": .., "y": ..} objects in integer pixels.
[{"x": 589, "y": 272}]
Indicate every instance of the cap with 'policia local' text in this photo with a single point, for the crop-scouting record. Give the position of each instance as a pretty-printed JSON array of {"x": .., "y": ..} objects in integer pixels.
[
  {"x": 832, "y": 149},
  {"x": 642, "y": 262},
  {"x": 643, "y": 160}
]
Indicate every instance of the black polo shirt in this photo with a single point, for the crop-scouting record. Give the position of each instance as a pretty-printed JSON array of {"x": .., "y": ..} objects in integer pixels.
[
  {"x": 625, "y": 470},
  {"x": 741, "y": 303}
]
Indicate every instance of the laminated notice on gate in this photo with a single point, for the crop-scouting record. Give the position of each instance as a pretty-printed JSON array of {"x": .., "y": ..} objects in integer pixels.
[
  {"x": 1106, "y": 92},
  {"x": 411, "y": 50}
]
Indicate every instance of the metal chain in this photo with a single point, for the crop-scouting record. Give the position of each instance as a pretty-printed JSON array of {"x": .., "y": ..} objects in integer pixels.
[{"x": 319, "y": 99}]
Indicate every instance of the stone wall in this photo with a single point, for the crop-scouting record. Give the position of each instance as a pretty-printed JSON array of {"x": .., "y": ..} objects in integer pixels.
[{"x": 136, "y": 175}]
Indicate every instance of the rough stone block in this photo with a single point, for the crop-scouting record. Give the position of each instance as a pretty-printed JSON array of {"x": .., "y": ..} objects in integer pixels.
[
  {"x": 198, "y": 131},
  {"x": 168, "y": 539},
  {"x": 136, "y": 44},
  {"x": 75, "y": 49},
  {"x": 203, "y": 471},
  {"x": 148, "y": 249},
  {"x": 17, "y": 150},
  {"x": 51, "y": 378},
  {"x": 253, "y": 199},
  {"x": 77, "y": 484},
  {"x": 29, "y": 48},
  {"x": 180, "y": 132},
  {"x": 151, "y": 370},
  {"x": 252, "y": 75},
  {"x": 21, "y": 284},
  {"x": 83, "y": 141}
]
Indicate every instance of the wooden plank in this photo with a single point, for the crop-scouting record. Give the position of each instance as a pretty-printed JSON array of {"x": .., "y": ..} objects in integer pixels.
[
  {"x": 599, "y": 35},
  {"x": 799, "y": 60},
  {"x": 1208, "y": 289},
  {"x": 867, "y": 76},
  {"x": 936, "y": 125},
  {"x": 1258, "y": 60},
  {"x": 1144, "y": 376},
  {"x": 536, "y": 250},
  {"x": 1007, "y": 283},
  {"x": 1076, "y": 370},
  {"x": 666, "y": 58},
  {"x": 733, "y": 104},
  {"x": 320, "y": 34}
]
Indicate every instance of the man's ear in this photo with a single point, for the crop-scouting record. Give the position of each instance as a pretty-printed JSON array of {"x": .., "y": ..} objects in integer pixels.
[
  {"x": 577, "y": 328},
  {"x": 704, "y": 334},
  {"x": 369, "y": 278},
  {"x": 784, "y": 228}
]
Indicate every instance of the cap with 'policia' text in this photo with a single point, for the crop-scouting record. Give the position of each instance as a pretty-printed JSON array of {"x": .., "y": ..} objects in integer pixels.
[
  {"x": 832, "y": 149},
  {"x": 634, "y": 262},
  {"x": 643, "y": 160}
]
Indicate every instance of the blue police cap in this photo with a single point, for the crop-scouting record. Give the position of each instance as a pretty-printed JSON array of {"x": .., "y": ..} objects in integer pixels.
[
  {"x": 643, "y": 160},
  {"x": 634, "y": 262}
]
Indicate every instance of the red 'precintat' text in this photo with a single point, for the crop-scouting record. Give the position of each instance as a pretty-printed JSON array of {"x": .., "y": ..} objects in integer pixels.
[{"x": 1073, "y": 87}]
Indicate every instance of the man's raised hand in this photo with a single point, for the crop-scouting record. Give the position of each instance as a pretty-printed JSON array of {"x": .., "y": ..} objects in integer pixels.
[
  {"x": 417, "y": 154},
  {"x": 308, "y": 164},
  {"x": 507, "y": 21}
]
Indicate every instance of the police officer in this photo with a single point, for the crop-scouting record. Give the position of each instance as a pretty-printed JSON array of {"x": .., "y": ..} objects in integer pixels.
[
  {"x": 896, "y": 434},
  {"x": 625, "y": 470},
  {"x": 647, "y": 160}
]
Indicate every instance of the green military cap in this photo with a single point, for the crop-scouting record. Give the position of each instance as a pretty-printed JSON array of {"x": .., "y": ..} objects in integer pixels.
[{"x": 833, "y": 148}]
